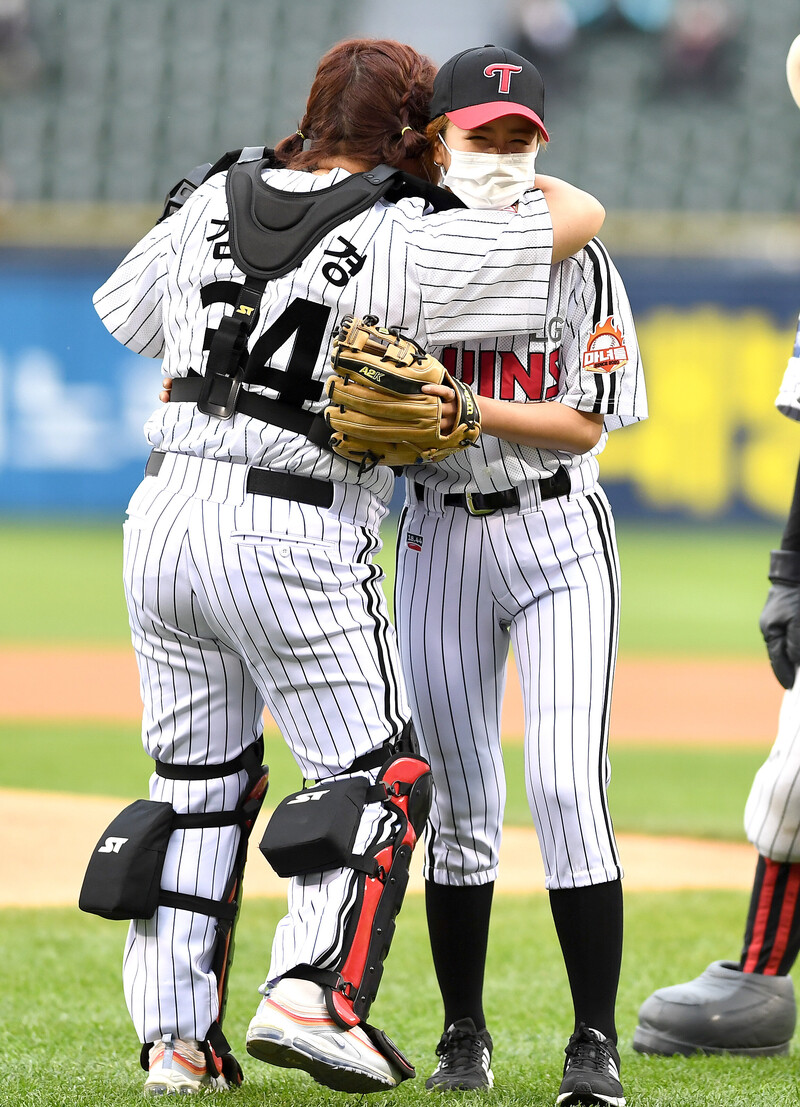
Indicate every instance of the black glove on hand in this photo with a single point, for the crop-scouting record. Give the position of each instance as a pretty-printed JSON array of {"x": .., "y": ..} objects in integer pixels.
[{"x": 780, "y": 618}]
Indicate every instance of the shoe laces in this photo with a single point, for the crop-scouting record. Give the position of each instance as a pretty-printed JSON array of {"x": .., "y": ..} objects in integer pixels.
[
  {"x": 460, "y": 1048},
  {"x": 588, "y": 1050}
]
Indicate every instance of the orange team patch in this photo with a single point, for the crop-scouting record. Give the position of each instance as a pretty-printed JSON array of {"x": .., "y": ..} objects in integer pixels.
[{"x": 605, "y": 351}]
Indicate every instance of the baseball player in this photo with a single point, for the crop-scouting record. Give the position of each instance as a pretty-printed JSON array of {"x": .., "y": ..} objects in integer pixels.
[
  {"x": 748, "y": 1006},
  {"x": 248, "y": 565},
  {"x": 512, "y": 542}
]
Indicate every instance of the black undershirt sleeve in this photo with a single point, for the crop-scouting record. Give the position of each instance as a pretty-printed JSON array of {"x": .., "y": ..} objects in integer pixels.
[{"x": 791, "y": 532}]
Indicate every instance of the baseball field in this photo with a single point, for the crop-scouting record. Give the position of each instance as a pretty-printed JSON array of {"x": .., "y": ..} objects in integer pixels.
[{"x": 694, "y": 714}]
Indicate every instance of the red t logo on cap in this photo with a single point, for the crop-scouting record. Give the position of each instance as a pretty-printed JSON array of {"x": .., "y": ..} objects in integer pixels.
[{"x": 505, "y": 70}]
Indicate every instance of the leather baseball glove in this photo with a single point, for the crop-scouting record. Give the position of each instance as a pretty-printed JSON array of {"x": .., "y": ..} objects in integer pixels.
[{"x": 378, "y": 412}]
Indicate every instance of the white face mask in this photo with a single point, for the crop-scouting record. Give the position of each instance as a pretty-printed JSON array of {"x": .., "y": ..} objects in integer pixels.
[{"x": 488, "y": 180}]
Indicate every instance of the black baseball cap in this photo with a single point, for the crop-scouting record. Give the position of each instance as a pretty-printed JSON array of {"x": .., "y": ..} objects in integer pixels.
[{"x": 486, "y": 82}]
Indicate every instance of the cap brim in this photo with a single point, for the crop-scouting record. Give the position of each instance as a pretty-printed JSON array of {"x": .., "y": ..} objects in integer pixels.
[{"x": 476, "y": 116}]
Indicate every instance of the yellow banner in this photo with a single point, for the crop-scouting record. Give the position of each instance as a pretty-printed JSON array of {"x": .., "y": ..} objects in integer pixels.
[{"x": 714, "y": 439}]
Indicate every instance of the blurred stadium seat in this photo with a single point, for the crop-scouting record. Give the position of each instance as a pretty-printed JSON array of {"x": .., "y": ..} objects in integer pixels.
[{"x": 130, "y": 94}]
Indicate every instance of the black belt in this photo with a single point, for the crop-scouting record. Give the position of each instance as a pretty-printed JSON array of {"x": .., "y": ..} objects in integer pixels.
[
  {"x": 478, "y": 503},
  {"x": 265, "y": 482}
]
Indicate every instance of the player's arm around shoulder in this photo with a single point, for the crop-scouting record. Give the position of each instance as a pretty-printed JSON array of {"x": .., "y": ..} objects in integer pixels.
[
  {"x": 577, "y": 215},
  {"x": 475, "y": 274}
]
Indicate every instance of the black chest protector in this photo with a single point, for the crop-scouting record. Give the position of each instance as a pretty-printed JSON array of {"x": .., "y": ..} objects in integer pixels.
[{"x": 271, "y": 232}]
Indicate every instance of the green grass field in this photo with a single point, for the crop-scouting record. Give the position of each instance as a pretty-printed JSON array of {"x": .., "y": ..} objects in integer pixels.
[
  {"x": 67, "y": 1037},
  {"x": 654, "y": 790},
  {"x": 685, "y": 590},
  {"x": 68, "y": 1042}
]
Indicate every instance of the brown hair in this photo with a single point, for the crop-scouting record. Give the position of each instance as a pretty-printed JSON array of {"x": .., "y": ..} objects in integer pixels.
[{"x": 369, "y": 101}]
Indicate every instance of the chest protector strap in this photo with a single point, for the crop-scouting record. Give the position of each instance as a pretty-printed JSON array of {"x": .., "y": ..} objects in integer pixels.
[{"x": 271, "y": 232}]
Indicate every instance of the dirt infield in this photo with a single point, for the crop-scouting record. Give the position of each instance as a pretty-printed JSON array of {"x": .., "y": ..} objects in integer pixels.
[
  {"x": 658, "y": 700},
  {"x": 46, "y": 839}
]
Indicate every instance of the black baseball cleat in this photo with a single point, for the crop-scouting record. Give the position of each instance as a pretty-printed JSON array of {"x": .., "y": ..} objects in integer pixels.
[
  {"x": 591, "y": 1072},
  {"x": 464, "y": 1056}
]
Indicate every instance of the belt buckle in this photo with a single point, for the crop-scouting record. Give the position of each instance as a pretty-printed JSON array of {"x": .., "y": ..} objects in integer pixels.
[{"x": 473, "y": 510}]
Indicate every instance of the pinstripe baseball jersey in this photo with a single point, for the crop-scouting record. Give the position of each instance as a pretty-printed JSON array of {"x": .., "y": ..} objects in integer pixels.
[
  {"x": 586, "y": 356},
  {"x": 446, "y": 277}
]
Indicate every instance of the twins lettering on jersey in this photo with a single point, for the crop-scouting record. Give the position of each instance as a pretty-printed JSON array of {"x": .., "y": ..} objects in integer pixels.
[{"x": 500, "y": 373}]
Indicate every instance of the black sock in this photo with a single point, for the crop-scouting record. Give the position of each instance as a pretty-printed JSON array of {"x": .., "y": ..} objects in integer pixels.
[
  {"x": 458, "y": 924},
  {"x": 589, "y": 927}
]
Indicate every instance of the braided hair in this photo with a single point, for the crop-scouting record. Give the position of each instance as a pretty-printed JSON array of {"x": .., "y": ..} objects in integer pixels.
[{"x": 369, "y": 102}]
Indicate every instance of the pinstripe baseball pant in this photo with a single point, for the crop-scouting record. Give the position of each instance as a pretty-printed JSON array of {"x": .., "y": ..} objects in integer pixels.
[
  {"x": 544, "y": 578},
  {"x": 235, "y": 602},
  {"x": 772, "y": 811}
]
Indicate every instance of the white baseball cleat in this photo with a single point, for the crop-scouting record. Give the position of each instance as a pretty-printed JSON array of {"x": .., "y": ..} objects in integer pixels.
[
  {"x": 292, "y": 1028},
  {"x": 177, "y": 1067}
]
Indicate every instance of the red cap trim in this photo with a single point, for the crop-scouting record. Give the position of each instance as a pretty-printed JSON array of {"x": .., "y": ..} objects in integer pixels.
[{"x": 478, "y": 114}]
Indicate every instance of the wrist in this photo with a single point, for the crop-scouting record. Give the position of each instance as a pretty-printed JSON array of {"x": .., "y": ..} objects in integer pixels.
[{"x": 784, "y": 566}]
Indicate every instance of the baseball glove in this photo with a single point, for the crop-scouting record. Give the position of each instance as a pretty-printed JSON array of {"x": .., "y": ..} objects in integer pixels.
[{"x": 377, "y": 411}]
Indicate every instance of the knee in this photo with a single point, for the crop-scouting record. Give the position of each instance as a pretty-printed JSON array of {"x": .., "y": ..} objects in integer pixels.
[{"x": 772, "y": 817}]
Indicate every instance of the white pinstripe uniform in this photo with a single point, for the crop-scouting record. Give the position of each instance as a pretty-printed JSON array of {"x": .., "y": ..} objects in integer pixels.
[
  {"x": 543, "y": 576},
  {"x": 772, "y": 811},
  {"x": 238, "y": 601}
]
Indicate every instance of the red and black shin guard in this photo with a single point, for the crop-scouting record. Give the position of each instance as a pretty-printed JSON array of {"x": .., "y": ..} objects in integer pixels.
[{"x": 404, "y": 787}]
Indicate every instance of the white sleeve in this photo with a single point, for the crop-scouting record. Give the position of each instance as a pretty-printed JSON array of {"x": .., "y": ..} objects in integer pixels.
[
  {"x": 788, "y": 401},
  {"x": 602, "y": 368},
  {"x": 129, "y": 303},
  {"x": 482, "y": 273}
]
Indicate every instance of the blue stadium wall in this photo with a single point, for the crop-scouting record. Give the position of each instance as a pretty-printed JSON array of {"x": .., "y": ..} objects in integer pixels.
[{"x": 715, "y": 337}]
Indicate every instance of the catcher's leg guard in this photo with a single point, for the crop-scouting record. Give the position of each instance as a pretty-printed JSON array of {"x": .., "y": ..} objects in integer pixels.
[
  {"x": 221, "y": 1064},
  {"x": 404, "y": 787}
]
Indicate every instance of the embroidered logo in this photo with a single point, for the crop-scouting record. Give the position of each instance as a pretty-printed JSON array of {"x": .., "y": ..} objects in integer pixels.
[
  {"x": 605, "y": 351},
  {"x": 112, "y": 845},
  {"x": 505, "y": 70},
  {"x": 307, "y": 797},
  {"x": 414, "y": 541}
]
